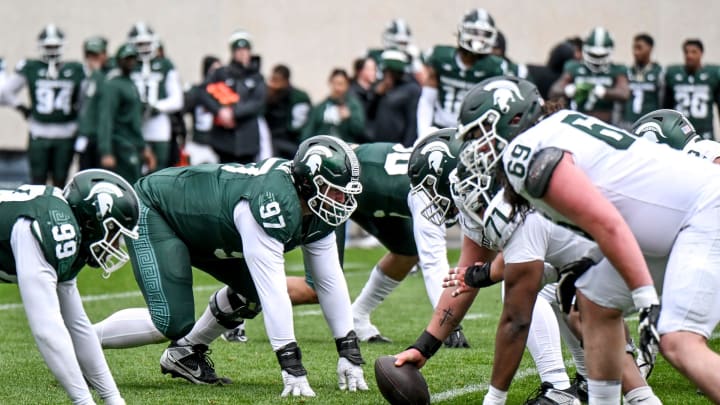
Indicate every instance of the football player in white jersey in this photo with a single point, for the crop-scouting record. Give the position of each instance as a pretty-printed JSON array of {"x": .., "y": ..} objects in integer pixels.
[
  {"x": 673, "y": 128},
  {"x": 653, "y": 212}
]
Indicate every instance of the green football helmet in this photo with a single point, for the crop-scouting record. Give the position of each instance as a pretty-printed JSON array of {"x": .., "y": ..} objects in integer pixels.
[
  {"x": 596, "y": 50},
  {"x": 326, "y": 172},
  {"x": 50, "y": 43},
  {"x": 476, "y": 32},
  {"x": 397, "y": 35},
  {"x": 107, "y": 209},
  {"x": 665, "y": 126},
  {"x": 493, "y": 113},
  {"x": 429, "y": 167},
  {"x": 144, "y": 39}
]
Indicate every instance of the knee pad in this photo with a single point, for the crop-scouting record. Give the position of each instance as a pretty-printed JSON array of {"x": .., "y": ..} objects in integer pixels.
[{"x": 241, "y": 309}]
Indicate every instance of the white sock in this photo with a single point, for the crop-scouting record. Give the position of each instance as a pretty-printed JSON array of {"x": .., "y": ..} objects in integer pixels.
[
  {"x": 207, "y": 328},
  {"x": 130, "y": 327},
  {"x": 544, "y": 345},
  {"x": 601, "y": 392},
  {"x": 495, "y": 397},
  {"x": 376, "y": 289},
  {"x": 642, "y": 396}
]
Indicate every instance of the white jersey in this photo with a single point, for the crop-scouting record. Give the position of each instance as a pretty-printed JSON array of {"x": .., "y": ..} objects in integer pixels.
[
  {"x": 656, "y": 189},
  {"x": 704, "y": 149},
  {"x": 527, "y": 239}
]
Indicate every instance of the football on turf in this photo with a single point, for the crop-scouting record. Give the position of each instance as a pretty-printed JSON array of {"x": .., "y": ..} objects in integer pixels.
[{"x": 402, "y": 385}]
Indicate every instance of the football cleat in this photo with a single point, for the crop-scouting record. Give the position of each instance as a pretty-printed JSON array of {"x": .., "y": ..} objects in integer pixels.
[
  {"x": 367, "y": 332},
  {"x": 579, "y": 387},
  {"x": 236, "y": 335},
  {"x": 191, "y": 363},
  {"x": 457, "y": 339},
  {"x": 548, "y": 395}
]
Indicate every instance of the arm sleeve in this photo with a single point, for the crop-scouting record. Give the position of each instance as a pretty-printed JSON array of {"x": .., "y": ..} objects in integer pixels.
[
  {"x": 13, "y": 84},
  {"x": 425, "y": 107},
  {"x": 253, "y": 105},
  {"x": 87, "y": 346},
  {"x": 431, "y": 248},
  {"x": 37, "y": 281},
  {"x": 411, "y": 125},
  {"x": 107, "y": 105},
  {"x": 323, "y": 263},
  {"x": 264, "y": 257},
  {"x": 174, "y": 100},
  {"x": 529, "y": 242}
]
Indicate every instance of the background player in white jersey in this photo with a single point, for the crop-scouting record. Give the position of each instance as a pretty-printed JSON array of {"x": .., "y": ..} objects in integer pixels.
[
  {"x": 674, "y": 129},
  {"x": 641, "y": 202},
  {"x": 159, "y": 85}
]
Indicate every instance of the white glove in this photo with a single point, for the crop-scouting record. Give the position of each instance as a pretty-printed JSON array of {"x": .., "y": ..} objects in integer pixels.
[
  {"x": 296, "y": 386},
  {"x": 600, "y": 91},
  {"x": 569, "y": 90},
  {"x": 81, "y": 143},
  {"x": 350, "y": 376}
]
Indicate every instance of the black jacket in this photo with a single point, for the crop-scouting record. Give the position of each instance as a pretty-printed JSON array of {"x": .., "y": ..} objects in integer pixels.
[
  {"x": 248, "y": 83},
  {"x": 392, "y": 117}
]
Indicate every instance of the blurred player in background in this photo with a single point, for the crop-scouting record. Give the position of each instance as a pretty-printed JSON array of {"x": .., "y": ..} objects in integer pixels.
[
  {"x": 96, "y": 63},
  {"x": 594, "y": 85},
  {"x": 646, "y": 79},
  {"x": 54, "y": 86}
]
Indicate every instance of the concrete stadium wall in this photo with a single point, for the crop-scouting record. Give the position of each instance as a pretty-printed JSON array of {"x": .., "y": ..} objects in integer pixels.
[{"x": 312, "y": 36}]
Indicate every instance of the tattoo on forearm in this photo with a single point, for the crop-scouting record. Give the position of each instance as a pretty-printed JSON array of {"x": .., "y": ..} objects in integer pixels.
[{"x": 447, "y": 316}]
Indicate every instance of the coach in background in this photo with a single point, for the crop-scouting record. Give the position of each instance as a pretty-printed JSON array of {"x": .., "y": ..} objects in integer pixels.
[
  {"x": 646, "y": 79},
  {"x": 340, "y": 114},
  {"x": 694, "y": 88},
  {"x": 286, "y": 112},
  {"x": 96, "y": 64},
  {"x": 392, "y": 113},
  {"x": 235, "y": 95},
  {"x": 120, "y": 139}
]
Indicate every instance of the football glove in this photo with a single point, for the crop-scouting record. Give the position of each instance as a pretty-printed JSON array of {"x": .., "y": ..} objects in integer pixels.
[
  {"x": 565, "y": 291},
  {"x": 350, "y": 376},
  {"x": 296, "y": 385},
  {"x": 457, "y": 339},
  {"x": 649, "y": 336},
  {"x": 24, "y": 110},
  {"x": 582, "y": 92}
]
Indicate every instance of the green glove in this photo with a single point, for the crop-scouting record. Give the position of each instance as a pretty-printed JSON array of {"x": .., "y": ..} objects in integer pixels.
[{"x": 582, "y": 92}]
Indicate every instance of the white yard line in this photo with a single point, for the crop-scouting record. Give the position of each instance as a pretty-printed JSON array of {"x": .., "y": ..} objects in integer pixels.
[{"x": 469, "y": 389}]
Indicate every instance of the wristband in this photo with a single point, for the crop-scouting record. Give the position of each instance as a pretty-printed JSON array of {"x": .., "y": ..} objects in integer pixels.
[
  {"x": 349, "y": 348},
  {"x": 644, "y": 297},
  {"x": 290, "y": 359},
  {"x": 427, "y": 344},
  {"x": 478, "y": 276}
]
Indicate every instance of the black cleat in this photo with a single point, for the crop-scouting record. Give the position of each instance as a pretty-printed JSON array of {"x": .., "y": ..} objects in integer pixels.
[
  {"x": 191, "y": 363},
  {"x": 548, "y": 395}
]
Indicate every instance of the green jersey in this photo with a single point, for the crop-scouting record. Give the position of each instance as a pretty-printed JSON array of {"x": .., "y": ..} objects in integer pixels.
[
  {"x": 198, "y": 203},
  {"x": 54, "y": 100},
  {"x": 693, "y": 94},
  {"x": 150, "y": 79},
  {"x": 581, "y": 74},
  {"x": 120, "y": 114},
  {"x": 88, "y": 122},
  {"x": 454, "y": 80},
  {"x": 383, "y": 174},
  {"x": 54, "y": 226},
  {"x": 645, "y": 84}
]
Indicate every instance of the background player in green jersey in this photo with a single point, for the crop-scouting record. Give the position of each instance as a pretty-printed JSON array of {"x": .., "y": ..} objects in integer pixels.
[
  {"x": 452, "y": 71},
  {"x": 159, "y": 85},
  {"x": 54, "y": 87},
  {"x": 397, "y": 35},
  {"x": 694, "y": 88},
  {"x": 46, "y": 237},
  {"x": 594, "y": 84},
  {"x": 234, "y": 222},
  {"x": 96, "y": 63},
  {"x": 646, "y": 79}
]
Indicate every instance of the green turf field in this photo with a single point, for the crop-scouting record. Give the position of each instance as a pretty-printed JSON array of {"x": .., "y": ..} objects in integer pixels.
[{"x": 455, "y": 376}]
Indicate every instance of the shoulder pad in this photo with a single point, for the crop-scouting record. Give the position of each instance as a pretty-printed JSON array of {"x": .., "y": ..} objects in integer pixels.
[{"x": 540, "y": 171}]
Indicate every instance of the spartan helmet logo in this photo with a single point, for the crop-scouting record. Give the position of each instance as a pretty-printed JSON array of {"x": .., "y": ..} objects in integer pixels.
[
  {"x": 504, "y": 93},
  {"x": 104, "y": 191},
  {"x": 650, "y": 131},
  {"x": 436, "y": 151},
  {"x": 314, "y": 159}
]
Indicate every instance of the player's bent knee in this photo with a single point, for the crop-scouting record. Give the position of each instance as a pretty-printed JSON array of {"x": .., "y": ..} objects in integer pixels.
[{"x": 241, "y": 308}]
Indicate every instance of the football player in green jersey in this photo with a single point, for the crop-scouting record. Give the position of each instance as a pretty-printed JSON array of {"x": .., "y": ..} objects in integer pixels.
[
  {"x": 396, "y": 207},
  {"x": 96, "y": 61},
  {"x": 160, "y": 90},
  {"x": 46, "y": 237},
  {"x": 54, "y": 87},
  {"x": 452, "y": 71},
  {"x": 234, "y": 222},
  {"x": 594, "y": 84},
  {"x": 646, "y": 79},
  {"x": 398, "y": 36},
  {"x": 694, "y": 88},
  {"x": 511, "y": 68}
]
